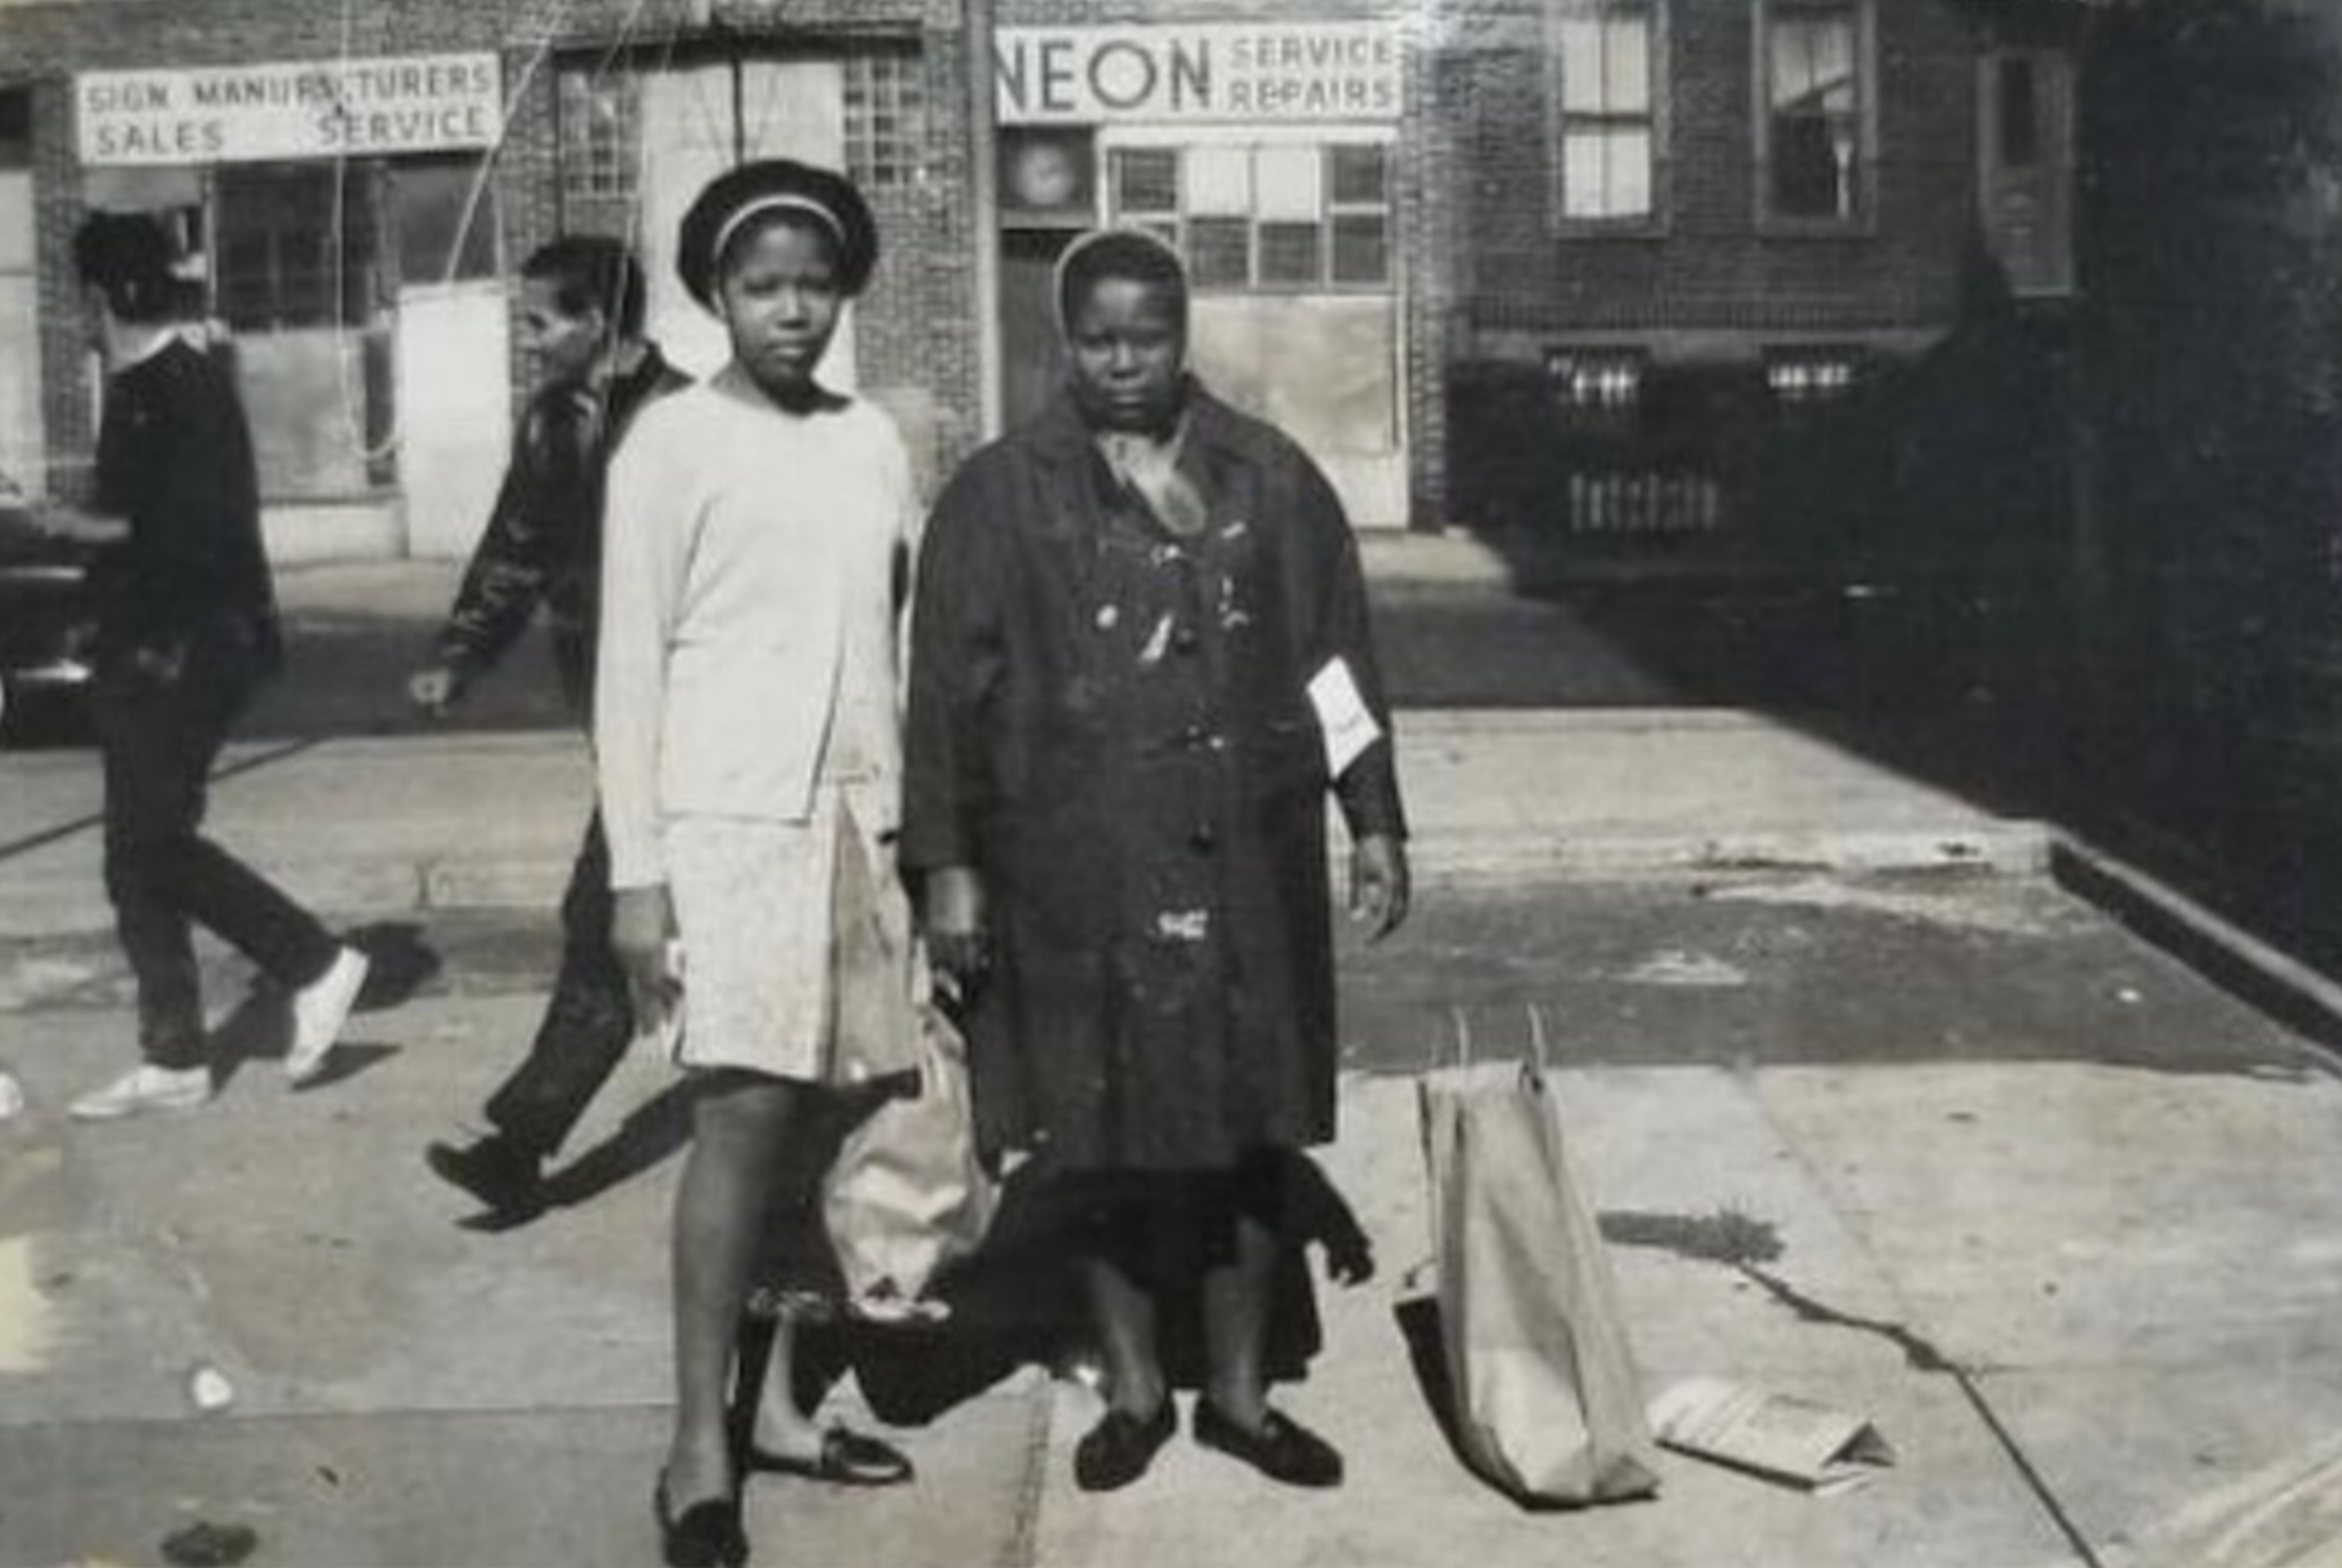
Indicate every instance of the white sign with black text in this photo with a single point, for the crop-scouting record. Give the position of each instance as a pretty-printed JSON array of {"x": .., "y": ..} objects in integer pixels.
[
  {"x": 1269, "y": 71},
  {"x": 326, "y": 108}
]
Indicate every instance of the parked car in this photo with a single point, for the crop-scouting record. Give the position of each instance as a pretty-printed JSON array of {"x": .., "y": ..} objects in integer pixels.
[{"x": 46, "y": 623}]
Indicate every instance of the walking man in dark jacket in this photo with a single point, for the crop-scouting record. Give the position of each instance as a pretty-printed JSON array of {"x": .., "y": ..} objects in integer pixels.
[
  {"x": 582, "y": 313},
  {"x": 187, "y": 633}
]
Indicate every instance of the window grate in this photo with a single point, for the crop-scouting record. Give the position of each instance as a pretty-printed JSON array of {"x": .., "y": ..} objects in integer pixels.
[{"x": 885, "y": 119}]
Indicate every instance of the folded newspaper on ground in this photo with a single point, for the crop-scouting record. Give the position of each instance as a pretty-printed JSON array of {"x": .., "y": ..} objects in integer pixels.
[{"x": 1776, "y": 1435}]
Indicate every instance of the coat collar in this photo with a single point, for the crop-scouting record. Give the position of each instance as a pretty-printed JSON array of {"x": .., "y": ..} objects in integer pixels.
[{"x": 1063, "y": 438}]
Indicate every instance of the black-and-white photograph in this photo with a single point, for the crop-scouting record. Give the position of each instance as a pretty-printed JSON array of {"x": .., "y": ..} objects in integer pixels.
[{"x": 1171, "y": 783}]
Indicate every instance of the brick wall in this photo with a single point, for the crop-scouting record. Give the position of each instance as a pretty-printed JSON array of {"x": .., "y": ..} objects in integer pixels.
[
  {"x": 1710, "y": 263},
  {"x": 916, "y": 334}
]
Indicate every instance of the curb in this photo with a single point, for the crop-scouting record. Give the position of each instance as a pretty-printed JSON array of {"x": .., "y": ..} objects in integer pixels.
[
  {"x": 2014, "y": 847},
  {"x": 2261, "y": 976},
  {"x": 55, "y": 904}
]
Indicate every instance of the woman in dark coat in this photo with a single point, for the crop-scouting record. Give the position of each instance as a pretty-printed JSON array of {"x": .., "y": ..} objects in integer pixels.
[{"x": 1139, "y": 661}]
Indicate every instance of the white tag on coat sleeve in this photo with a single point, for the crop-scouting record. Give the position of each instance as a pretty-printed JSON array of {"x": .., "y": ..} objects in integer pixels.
[{"x": 1348, "y": 725}]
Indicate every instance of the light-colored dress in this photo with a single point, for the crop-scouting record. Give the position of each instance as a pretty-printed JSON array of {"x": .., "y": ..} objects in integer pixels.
[{"x": 747, "y": 713}]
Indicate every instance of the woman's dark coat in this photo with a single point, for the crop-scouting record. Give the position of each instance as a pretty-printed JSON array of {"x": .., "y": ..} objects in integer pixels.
[{"x": 1111, "y": 724}]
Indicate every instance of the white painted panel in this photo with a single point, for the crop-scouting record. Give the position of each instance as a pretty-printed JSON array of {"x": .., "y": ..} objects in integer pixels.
[
  {"x": 687, "y": 140},
  {"x": 455, "y": 411},
  {"x": 1324, "y": 368},
  {"x": 22, "y": 458}
]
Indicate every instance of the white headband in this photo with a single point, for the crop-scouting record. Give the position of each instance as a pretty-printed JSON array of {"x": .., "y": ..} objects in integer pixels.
[{"x": 784, "y": 200}]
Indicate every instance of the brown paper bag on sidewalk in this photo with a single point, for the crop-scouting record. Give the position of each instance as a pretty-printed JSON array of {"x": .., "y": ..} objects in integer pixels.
[{"x": 1544, "y": 1396}]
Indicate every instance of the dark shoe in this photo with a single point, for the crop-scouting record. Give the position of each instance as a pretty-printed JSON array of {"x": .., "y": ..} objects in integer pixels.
[
  {"x": 848, "y": 1458},
  {"x": 707, "y": 1535},
  {"x": 1117, "y": 1450},
  {"x": 499, "y": 1172},
  {"x": 1282, "y": 1450}
]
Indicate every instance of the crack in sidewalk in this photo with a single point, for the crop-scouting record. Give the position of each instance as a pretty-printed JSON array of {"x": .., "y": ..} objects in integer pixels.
[
  {"x": 1924, "y": 1356},
  {"x": 1023, "y": 1549},
  {"x": 1745, "y": 1245}
]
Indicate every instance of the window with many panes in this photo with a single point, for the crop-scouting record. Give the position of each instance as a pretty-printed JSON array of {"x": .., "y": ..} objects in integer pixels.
[
  {"x": 1605, "y": 92},
  {"x": 885, "y": 118},
  {"x": 600, "y": 131},
  {"x": 1814, "y": 129},
  {"x": 1279, "y": 219}
]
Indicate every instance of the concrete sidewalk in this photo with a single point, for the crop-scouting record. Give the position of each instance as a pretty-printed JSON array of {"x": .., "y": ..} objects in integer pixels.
[
  {"x": 385, "y": 826},
  {"x": 2070, "y": 1245}
]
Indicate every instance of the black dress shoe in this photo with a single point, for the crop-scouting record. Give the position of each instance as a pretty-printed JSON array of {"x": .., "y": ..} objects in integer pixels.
[
  {"x": 707, "y": 1535},
  {"x": 503, "y": 1176},
  {"x": 846, "y": 1458},
  {"x": 1116, "y": 1451},
  {"x": 1282, "y": 1450}
]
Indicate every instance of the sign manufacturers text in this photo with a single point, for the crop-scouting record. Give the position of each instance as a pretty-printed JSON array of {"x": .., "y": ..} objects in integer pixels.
[{"x": 223, "y": 114}]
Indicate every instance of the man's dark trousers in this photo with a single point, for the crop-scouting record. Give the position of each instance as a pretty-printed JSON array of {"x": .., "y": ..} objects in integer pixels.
[
  {"x": 160, "y": 732},
  {"x": 586, "y": 1024}
]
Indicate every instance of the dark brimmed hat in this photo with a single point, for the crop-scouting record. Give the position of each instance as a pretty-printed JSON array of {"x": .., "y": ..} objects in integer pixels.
[{"x": 742, "y": 195}]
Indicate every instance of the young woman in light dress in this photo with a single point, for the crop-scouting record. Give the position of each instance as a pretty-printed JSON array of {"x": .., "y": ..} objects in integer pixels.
[{"x": 747, "y": 736}]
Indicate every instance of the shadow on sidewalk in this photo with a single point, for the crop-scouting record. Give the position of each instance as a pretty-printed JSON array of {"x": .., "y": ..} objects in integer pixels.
[
  {"x": 261, "y": 1030},
  {"x": 1021, "y": 1302}
]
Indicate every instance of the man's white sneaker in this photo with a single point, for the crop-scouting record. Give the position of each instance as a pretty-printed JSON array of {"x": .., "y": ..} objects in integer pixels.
[
  {"x": 319, "y": 1010},
  {"x": 143, "y": 1089}
]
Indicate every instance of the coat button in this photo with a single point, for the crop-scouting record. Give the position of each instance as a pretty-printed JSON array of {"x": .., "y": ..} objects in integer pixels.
[
  {"x": 1184, "y": 641},
  {"x": 1203, "y": 840}
]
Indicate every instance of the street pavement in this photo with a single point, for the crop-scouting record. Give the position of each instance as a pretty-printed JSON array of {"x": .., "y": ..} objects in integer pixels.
[
  {"x": 2048, "y": 1207},
  {"x": 1873, "y": 1113}
]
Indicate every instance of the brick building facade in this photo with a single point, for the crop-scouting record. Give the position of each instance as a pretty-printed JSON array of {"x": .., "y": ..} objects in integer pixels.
[
  {"x": 1554, "y": 263},
  {"x": 1282, "y": 145},
  {"x": 1678, "y": 220},
  {"x": 368, "y": 295}
]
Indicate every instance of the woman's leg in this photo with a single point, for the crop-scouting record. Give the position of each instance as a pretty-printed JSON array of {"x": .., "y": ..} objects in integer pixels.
[
  {"x": 1238, "y": 1293},
  {"x": 782, "y": 1429},
  {"x": 1123, "y": 1311},
  {"x": 740, "y": 1125}
]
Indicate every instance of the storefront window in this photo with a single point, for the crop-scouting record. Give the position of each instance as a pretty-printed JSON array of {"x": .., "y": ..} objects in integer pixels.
[
  {"x": 1280, "y": 218},
  {"x": 1146, "y": 182},
  {"x": 1220, "y": 252},
  {"x": 446, "y": 212},
  {"x": 296, "y": 245},
  {"x": 1360, "y": 215}
]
